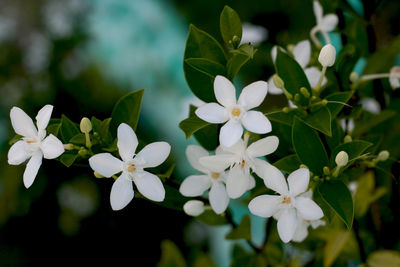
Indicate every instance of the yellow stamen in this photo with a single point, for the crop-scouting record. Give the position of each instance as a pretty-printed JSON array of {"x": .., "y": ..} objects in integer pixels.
[
  {"x": 286, "y": 200},
  {"x": 131, "y": 168},
  {"x": 31, "y": 141},
  {"x": 242, "y": 164},
  {"x": 236, "y": 112},
  {"x": 215, "y": 175}
]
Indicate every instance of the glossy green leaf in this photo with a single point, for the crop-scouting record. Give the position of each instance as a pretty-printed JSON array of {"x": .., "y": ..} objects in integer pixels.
[
  {"x": 103, "y": 129},
  {"x": 343, "y": 205},
  {"x": 337, "y": 101},
  {"x": 242, "y": 231},
  {"x": 337, "y": 135},
  {"x": 209, "y": 217},
  {"x": 53, "y": 128},
  {"x": 68, "y": 129},
  {"x": 329, "y": 213},
  {"x": 191, "y": 125},
  {"x": 320, "y": 120},
  {"x": 284, "y": 117},
  {"x": 78, "y": 139},
  {"x": 235, "y": 63},
  {"x": 230, "y": 25},
  {"x": 309, "y": 147},
  {"x": 353, "y": 149},
  {"x": 288, "y": 164},
  {"x": 127, "y": 110},
  {"x": 372, "y": 120},
  {"x": 173, "y": 198},
  {"x": 387, "y": 258},
  {"x": 68, "y": 158},
  {"x": 171, "y": 255},
  {"x": 334, "y": 246},
  {"x": 345, "y": 63},
  {"x": 206, "y": 66}
]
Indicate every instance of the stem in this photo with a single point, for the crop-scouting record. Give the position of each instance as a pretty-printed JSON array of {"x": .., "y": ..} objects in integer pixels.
[
  {"x": 88, "y": 143},
  {"x": 369, "y": 77},
  {"x": 321, "y": 77},
  {"x": 314, "y": 37}
]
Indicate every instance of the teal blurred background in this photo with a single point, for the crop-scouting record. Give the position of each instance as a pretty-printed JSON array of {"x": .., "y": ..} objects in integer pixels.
[{"x": 81, "y": 56}]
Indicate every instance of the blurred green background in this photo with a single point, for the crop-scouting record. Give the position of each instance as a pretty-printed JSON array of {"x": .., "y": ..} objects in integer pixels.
[{"x": 81, "y": 56}]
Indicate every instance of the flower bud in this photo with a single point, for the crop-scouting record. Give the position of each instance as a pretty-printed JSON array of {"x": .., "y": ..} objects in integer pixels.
[
  {"x": 304, "y": 92},
  {"x": 326, "y": 170},
  {"x": 383, "y": 155},
  {"x": 354, "y": 77},
  {"x": 342, "y": 158},
  {"x": 86, "y": 125},
  {"x": 347, "y": 139},
  {"x": 278, "y": 81},
  {"x": 327, "y": 55},
  {"x": 193, "y": 207},
  {"x": 68, "y": 146}
]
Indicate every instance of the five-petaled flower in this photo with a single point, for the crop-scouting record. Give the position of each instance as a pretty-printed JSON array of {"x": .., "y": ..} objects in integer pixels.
[
  {"x": 325, "y": 23},
  {"x": 34, "y": 144},
  {"x": 132, "y": 168},
  {"x": 285, "y": 207},
  {"x": 236, "y": 113}
]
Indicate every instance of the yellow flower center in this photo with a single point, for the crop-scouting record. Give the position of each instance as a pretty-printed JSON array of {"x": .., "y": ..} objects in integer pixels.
[
  {"x": 236, "y": 112},
  {"x": 31, "y": 141},
  {"x": 286, "y": 200},
  {"x": 131, "y": 168},
  {"x": 242, "y": 163},
  {"x": 215, "y": 175}
]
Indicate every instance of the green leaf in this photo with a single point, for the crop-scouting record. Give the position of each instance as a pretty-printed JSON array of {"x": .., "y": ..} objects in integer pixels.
[
  {"x": 53, "y": 128},
  {"x": 284, "y": 117},
  {"x": 288, "y": 164},
  {"x": 292, "y": 74},
  {"x": 235, "y": 63},
  {"x": 309, "y": 147},
  {"x": 203, "y": 260},
  {"x": 340, "y": 99},
  {"x": 320, "y": 120},
  {"x": 191, "y": 125},
  {"x": 127, "y": 110},
  {"x": 230, "y": 25},
  {"x": 209, "y": 217},
  {"x": 78, "y": 139},
  {"x": 372, "y": 120},
  {"x": 68, "y": 128},
  {"x": 334, "y": 246},
  {"x": 208, "y": 137},
  {"x": 242, "y": 231},
  {"x": 337, "y": 135},
  {"x": 346, "y": 61},
  {"x": 103, "y": 129},
  {"x": 200, "y": 44},
  {"x": 15, "y": 139},
  {"x": 249, "y": 260},
  {"x": 170, "y": 255},
  {"x": 343, "y": 205},
  {"x": 329, "y": 213},
  {"x": 206, "y": 66},
  {"x": 387, "y": 258},
  {"x": 68, "y": 159},
  {"x": 353, "y": 149},
  {"x": 173, "y": 198}
]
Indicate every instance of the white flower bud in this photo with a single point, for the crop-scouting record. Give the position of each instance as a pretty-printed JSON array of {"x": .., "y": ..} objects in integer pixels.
[
  {"x": 327, "y": 55},
  {"x": 194, "y": 207},
  {"x": 383, "y": 155},
  {"x": 342, "y": 159},
  {"x": 86, "y": 125}
]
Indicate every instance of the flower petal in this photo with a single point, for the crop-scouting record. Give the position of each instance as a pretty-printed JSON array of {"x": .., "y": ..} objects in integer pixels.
[
  {"x": 287, "y": 224},
  {"x": 318, "y": 12},
  {"x": 298, "y": 181},
  {"x": 253, "y": 95},
  {"x": 105, "y": 164},
  {"x": 264, "y": 206},
  {"x": 193, "y": 207},
  {"x": 237, "y": 148},
  {"x": 256, "y": 122},
  {"x": 43, "y": 117},
  {"x": 302, "y": 53},
  {"x": 127, "y": 142},
  {"x": 237, "y": 182},
  {"x": 274, "y": 52},
  {"x": 17, "y": 153},
  {"x": 32, "y": 168},
  {"x": 154, "y": 154},
  {"x": 150, "y": 186},
  {"x": 301, "y": 231},
  {"x": 313, "y": 75},
  {"x": 225, "y": 92},
  {"x": 272, "y": 89},
  {"x": 121, "y": 192},
  {"x": 252, "y": 182},
  {"x": 272, "y": 176},
  {"x": 213, "y": 113},
  {"x": 217, "y": 163},
  {"x": 262, "y": 147},
  {"x": 22, "y": 123},
  {"x": 230, "y": 133},
  {"x": 219, "y": 199},
  {"x": 195, "y": 185},
  {"x": 193, "y": 154},
  {"x": 51, "y": 147},
  {"x": 329, "y": 22},
  {"x": 308, "y": 209}
]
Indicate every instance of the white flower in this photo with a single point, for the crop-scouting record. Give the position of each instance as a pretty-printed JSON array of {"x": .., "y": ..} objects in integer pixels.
[
  {"x": 286, "y": 206},
  {"x": 394, "y": 78},
  {"x": 132, "y": 168},
  {"x": 236, "y": 113},
  {"x": 241, "y": 159},
  {"x": 194, "y": 207},
  {"x": 325, "y": 23},
  {"x": 302, "y": 54},
  {"x": 213, "y": 177},
  {"x": 327, "y": 55},
  {"x": 347, "y": 124},
  {"x": 342, "y": 158},
  {"x": 34, "y": 144},
  {"x": 370, "y": 105},
  {"x": 253, "y": 34}
]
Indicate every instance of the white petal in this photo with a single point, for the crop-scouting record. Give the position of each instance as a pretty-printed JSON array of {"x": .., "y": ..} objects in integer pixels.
[
  {"x": 252, "y": 182},
  {"x": 121, "y": 192},
  {"x": 150, "y": 186},
  {"x": 105, "y": 164},
  {"x": 272, "y": 89},
  {"x": 371, "y": 105},
  {"x": 262, "y": 147},
  {"x": 237, "y": 182},
  {"x": 264, "y": 206},
  {"x": 22, "y": 123},
  {"x": 272, "y": 176},
  {"x": 256, "y": 122},
  {"x": 329, "y": 22},
  {"x": 317, "y": 223},
  {"x": 287, "y": 224},
  {"x": 308, "y": 209},
  {"x": 301, "y": 231},
  {"x": 154, "y": 154},
  {"x": 318, "y": 12},
  {"x": 230, "y": 133},
  {"x": 217, "y": 163},
  {"x": 307, "y": 194},
  {"x": 219, "y": 199},
  {"x": 43, "y": 117},
  {"x": 225, "y": 92},
  {"x": 274, "y": 52},
  {"x": 127, "y": 141},
  {"x": 195, "y": 185},
  {"x": 253, "y": 95},
  {"x": 213, "y": 113},
  {"x": 302, "y": 53},
  {"x": 193, "y": 154},
  {"x": 32, "y": 168},
  {"x": 237, "y": 148},
  {"x": 51, "y": 147},
  {"x": 193, "y": 207},
  {"x": 313, "y": 75},
  {"x": 17, "y": 153},
  {"x": 298, "y": 181}
]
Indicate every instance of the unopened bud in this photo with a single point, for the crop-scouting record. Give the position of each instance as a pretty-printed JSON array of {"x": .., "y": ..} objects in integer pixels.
[
  {"x": 286, "y": 109},
  {"x": 326, "y": 170},
  {"x": 86, "y": 125},
  {"x": 68, "y": 146},
  {"x": 316, "y": 178},
  {"x": 278, "y": 81},
  {"x": 327, "y": 55},
  {"x": 290, "y": 47},
  {"x": 383, "y": 155},
  {"x": 235, "y": 41},
  {"x": 313, "y": 98},
  {"x": 82, "y": 152},
  {"x": 342, "y": 158},
  {"x": 193, "y": 207},
  {"x": 324, "y": 102},
  {"x": 97, "y": 175},
  {"x": 348, "y": 139},
  {"x": 305, "y": 92},
  {"x": 297, "y": 97},
  {"x": 354, "y": 77},
  {"x": 303, "y": 166}
]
